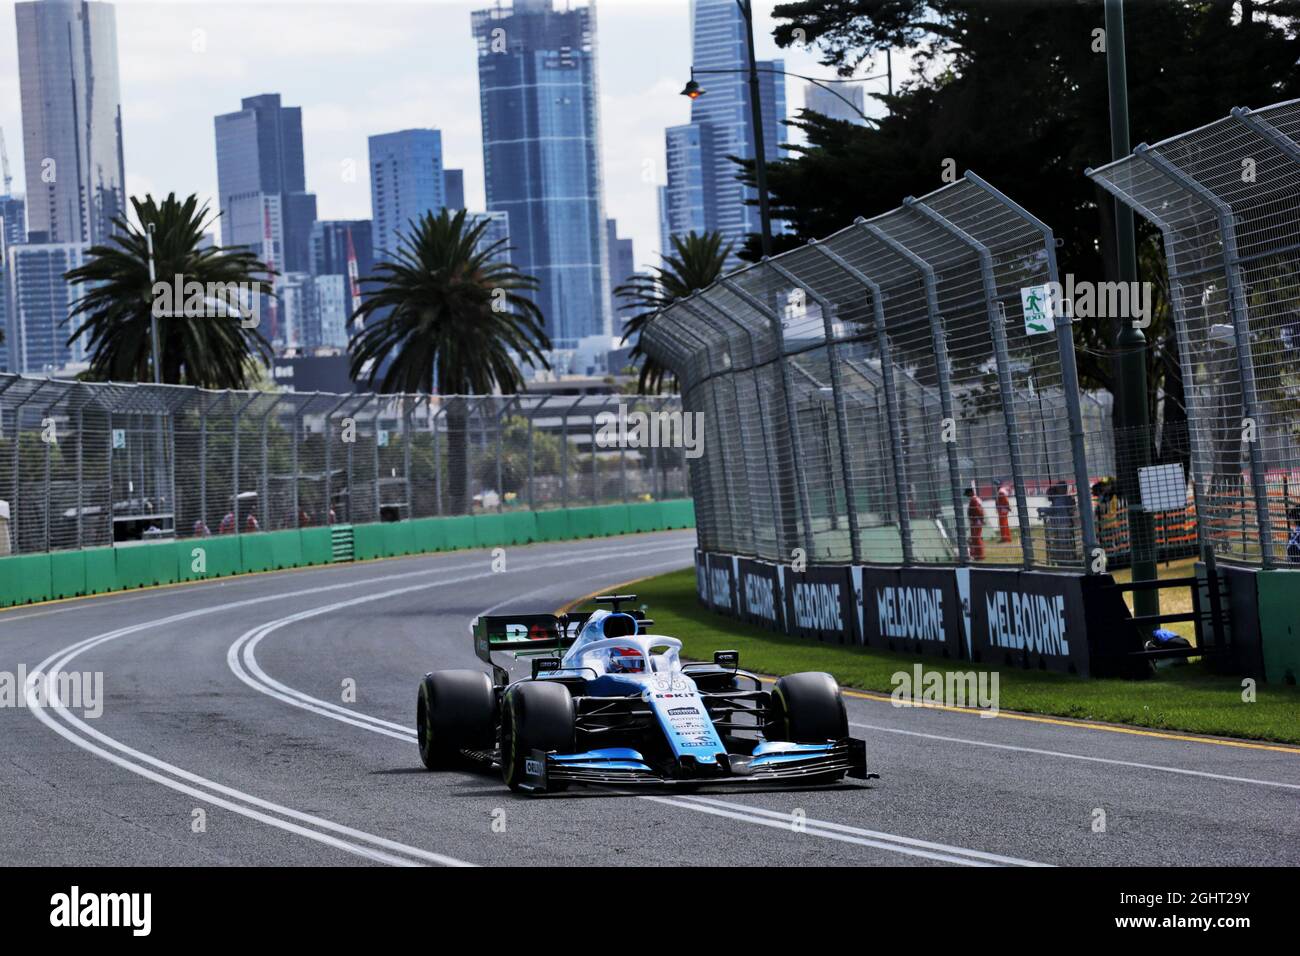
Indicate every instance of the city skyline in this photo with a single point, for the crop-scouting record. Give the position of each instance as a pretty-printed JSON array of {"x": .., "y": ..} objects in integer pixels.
[{"x": 323, "y": 64}]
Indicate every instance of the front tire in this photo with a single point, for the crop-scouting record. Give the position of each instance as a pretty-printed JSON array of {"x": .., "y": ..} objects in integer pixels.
[
  {"x": 454, "y": 711},
  {"x": 807, "y": 708},
  {"x": 535, "y": 715}
]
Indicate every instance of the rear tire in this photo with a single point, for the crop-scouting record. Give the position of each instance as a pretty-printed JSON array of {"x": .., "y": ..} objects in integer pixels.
[
  {"x": 535, "y": 715},
  {"x": 454, "y": 711},
  {"x": 807, "y": 708}
]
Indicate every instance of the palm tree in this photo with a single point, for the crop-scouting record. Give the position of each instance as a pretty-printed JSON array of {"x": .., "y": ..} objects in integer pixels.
[
  {"x": 195, "y": 347},
  {"x": 449, "y": 310},
  {"x": 697, "y": 263}
]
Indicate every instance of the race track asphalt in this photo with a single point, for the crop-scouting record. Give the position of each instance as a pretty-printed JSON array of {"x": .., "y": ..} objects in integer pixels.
[{"x": 224, "y": 705}]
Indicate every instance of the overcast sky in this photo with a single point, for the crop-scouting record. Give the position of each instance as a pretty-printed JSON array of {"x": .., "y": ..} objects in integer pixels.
[{"x": 359, "y": 68}]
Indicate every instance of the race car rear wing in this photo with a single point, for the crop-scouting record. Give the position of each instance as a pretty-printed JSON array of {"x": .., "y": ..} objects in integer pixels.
[{"x": 525, "y": 635}]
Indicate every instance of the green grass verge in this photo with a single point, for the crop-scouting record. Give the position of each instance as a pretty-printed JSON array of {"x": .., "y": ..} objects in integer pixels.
[{"x": 1185, "y": 698}]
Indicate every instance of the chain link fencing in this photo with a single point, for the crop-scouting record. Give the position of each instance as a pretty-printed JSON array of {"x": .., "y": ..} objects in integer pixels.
[
  {"x": 90, "y": 464},
  {"x": 1226, "y": 200},
  {"x": 896, "y": 393}
]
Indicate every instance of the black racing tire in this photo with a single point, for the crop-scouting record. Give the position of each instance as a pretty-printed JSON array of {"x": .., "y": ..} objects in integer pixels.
[
  {"x": 535, "y": 715},
  {"x": 807, "y": 708},
  {"x": 454, "y": 711}
]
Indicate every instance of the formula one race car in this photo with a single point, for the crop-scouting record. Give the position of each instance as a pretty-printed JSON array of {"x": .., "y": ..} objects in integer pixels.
[{"x": 606, "y": 702}]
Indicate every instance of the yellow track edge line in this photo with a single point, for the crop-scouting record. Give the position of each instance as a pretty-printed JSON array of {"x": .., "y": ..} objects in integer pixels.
[{"x": 1005, "y": 714}]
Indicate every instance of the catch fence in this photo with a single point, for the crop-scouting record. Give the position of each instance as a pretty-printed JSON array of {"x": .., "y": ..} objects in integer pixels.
[
  {"x": 897, "y": 393},
  {"x": 1226, "y": 200},
  {"x": 88, "y": 464}
]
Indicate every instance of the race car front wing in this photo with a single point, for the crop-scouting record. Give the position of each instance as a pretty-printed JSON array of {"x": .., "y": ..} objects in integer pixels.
[{"x": 787, "y": 762}]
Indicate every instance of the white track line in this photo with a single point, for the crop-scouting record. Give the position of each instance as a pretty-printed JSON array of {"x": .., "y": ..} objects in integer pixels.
[
  {"x": 1069, "y": 756},
  {"x": 242, "y": 659},
  {"x": 308, "y": 825}
]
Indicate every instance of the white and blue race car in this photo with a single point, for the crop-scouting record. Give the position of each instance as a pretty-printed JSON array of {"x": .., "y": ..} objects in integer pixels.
[{"x": 607, "y": 702}]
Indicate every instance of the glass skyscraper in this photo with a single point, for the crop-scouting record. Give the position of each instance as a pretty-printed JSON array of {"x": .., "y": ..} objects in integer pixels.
[
  {"x": 37, "y": 339},
  {"x": 262, "y": 183},
  {"x": 541, "y": 156},
  {"x": 72, "y": 120},
  {"x": 703, "y": 192},
  {"x": 406, "y": 181}
]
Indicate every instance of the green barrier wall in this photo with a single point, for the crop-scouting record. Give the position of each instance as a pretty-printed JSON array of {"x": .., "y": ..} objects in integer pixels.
[
  {"x": 28, "y": 578},
  {"x": 1279, "y": 625},
  {"x": 317, "y": 547}
]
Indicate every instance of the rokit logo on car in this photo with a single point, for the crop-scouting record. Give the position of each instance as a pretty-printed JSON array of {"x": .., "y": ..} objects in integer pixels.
[{"x": 76, "y": 909}]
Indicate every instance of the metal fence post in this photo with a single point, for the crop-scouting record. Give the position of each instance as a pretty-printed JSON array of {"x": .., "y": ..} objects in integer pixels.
[
  {"x": 1240, "y": 331},
  {"x": 1069, "y": 376},
  {"x": 997, "y": 325},
  {"x": 532, "y": 468},
  {"x": 203, "y": 460},
  {"x": 437, "y": 458},
  {"x": 837, "y": 399},
  {"x": 803, "y": 500},
  {"x": 379, "y": 408},
  {"x": 891, "y": 396},
  {"x": 939, "y": 338},
  {"x": 81, "y": 454},
  {"x": 329, "y": 459}
]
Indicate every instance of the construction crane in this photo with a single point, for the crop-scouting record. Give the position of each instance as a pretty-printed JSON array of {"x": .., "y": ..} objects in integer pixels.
[{"x": 4, "y": 165}]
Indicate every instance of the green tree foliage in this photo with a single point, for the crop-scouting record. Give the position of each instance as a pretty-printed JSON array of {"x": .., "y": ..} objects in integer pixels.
[
  {"x": 1018, "y": 92},
  {"x": 696, "y": 262},
  {"x": 446, "y": 310},
  {"x": 199, "y": 349}
]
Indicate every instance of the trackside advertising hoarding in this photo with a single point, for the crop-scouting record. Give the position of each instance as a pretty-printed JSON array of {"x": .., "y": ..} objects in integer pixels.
[
  {"x": 759, "y": 585},
  {"x": 722, "y": 583},
  {"x": 912, "y": 610},
  {"x": 820, "y": 603},
  {"x": 1028, "y": 619},
  {"x": 1003, "y": 617}
]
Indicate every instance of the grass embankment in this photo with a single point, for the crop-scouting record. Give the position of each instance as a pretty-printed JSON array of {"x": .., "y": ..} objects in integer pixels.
[{"x": 1185, "y": 698}]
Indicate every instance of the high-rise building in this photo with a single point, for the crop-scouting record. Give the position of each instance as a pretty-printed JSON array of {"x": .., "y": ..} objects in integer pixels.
[
  {"x": 665, "y": 233},
  {"x": 261, "y": 182},
  {"x": 454, "y": 188},
  {"x": 344, "y": 248},
  {"x": 705, "y": 190},
  {"x": 332, "y": 310},
  {"x": 39, "y": 307},
  {"x": 13, "y": 230},
  {"x": 821, "y": 100},
  {"x": 541, "y": 155},
  {"x": 496, "y": 234},
  {"x": 690, "y": 198},
  {"x": 406, "y": 181},
  {"x": 72, "y": 120},
  {"x": 622, "y": 266}
]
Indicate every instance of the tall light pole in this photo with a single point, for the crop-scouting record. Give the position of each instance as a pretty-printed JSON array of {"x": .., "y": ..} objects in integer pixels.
[
  {"x": 1130, "y": 343},
  {"x": 153, "y": 313},
  {"x": 756, "y": 124}
]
